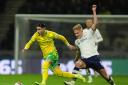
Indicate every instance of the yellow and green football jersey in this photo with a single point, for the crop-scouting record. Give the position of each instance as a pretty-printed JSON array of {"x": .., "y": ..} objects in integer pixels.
[{"x": 46, "y": 41}]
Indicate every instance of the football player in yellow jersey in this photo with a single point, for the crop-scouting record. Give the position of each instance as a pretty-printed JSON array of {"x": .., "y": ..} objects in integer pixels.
[{"x": 45, "y": 40}]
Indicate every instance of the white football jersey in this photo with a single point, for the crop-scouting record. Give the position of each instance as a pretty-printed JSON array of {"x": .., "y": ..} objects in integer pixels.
[
  {"x": 86, "y": 44},
  {"x": 98, "y": 38}
]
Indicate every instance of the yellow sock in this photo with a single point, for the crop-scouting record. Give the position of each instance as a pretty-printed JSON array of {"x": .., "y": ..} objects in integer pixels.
[
  {"x": 59, "y": 72},
  {"x": 69, "y": 75},
  {"x": 45, "y": 67}
]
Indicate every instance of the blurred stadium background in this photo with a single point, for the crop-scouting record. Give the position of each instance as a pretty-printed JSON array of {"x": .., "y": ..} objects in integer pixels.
[{"x": 17, "y": 24}]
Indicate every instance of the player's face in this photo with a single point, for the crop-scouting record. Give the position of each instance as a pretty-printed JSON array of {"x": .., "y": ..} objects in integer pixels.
[
  {"x": 40, "y": 30},
  {"x": 78, "y": 33},
  {"x": 88, "y": 23}
]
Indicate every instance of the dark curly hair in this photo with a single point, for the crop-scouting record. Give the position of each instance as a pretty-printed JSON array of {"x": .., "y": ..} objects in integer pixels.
[{"x": 41, "y": 25}]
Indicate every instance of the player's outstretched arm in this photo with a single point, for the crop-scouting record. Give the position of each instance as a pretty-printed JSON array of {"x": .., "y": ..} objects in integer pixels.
[
  {"x": 27, "y": 46},
  {"x": 62, "y": 38},
  {"x": 94, "y": 17}
]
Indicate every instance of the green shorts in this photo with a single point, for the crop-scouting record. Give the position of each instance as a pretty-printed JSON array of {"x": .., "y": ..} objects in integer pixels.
[{"x": 52, "y": 57}]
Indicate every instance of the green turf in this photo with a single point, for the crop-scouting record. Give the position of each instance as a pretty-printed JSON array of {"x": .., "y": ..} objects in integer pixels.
[{"x": 29, "y": 79}]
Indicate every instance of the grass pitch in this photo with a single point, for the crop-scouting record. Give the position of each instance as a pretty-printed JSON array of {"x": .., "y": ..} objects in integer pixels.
[{"x": 29, "y": 79}]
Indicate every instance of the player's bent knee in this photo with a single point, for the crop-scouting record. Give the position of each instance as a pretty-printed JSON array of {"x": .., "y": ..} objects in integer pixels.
[
  {"x": 58, "y": 73},
  {"x": 77, "y": 65},
  {"x": 80, "y": 64}
]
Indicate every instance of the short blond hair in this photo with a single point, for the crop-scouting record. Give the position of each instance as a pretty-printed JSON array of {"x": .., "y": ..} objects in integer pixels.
[{"x": 77, "y": 27}]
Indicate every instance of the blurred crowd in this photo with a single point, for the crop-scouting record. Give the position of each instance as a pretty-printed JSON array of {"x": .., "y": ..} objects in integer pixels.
[{"x": 73, "y": 6}]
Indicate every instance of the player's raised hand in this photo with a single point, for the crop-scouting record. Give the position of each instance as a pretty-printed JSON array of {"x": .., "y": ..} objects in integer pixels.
[{"x": 94, "y": 7}]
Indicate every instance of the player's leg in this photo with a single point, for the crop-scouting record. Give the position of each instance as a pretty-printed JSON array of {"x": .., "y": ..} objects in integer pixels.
[
  {"x": 45, "y": 66},
  {"x": 59, "y": 72},
  {"x": 72, "y": 81},
  {"x": 56, "y": 69},
  {"x": 49, "y": 62},
  {"x": 79, "y": 64},
  {"x": 96, "y": 65},
  {"x": 95, "y": 74},
  {"x": 107, "y": 77},
  {"x": 89, "y": 75}
]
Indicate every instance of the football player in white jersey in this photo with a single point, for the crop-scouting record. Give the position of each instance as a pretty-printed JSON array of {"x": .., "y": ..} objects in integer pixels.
[
  {"x": 87, "y": 54},
  {"x": 98, "y": 38}
]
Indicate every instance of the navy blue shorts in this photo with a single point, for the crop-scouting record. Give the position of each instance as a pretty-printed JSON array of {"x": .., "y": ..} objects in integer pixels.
[{"x": 93, "y": 62}]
